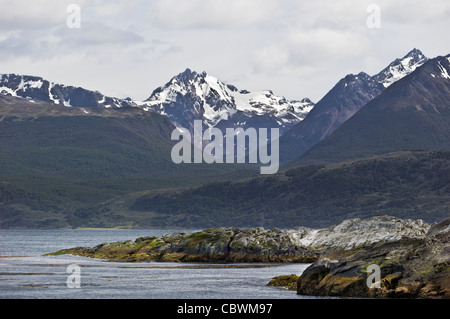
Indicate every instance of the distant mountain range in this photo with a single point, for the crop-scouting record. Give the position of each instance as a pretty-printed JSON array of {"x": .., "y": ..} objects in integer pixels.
[
  {"x": 191, "y": 96},
  {"x": 186, "y": 97},
  {"x": 69, "y": 156}
]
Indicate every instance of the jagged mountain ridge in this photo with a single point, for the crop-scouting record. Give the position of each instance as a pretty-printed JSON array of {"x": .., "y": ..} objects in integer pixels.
[
  {"x": 400, "y": 67},
  {"x": 193, "y": 96},
  {"x": 37, "y": 88},
  {"x": 187, "y": 97},
  {"x": 346, "y": 98}
]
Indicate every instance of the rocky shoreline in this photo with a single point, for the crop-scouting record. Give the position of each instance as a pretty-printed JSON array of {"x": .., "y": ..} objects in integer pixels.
[
  {"x": 414, "y": 257},
  {"x": 409, "y": 268}
]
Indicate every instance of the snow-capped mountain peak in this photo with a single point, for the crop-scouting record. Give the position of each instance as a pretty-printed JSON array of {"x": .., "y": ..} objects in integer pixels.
[
  {"x": 401, "y": 67},
  {"x": 191, "y": 95}
]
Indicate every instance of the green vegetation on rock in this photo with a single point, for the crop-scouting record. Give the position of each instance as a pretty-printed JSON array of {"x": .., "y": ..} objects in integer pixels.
[{"x": 285, "y": 281}]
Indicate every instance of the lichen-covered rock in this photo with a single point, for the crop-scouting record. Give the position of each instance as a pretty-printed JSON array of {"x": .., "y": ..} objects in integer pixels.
[
  {"x": 410, "y": 267},
  {"x": 211, "y": 245},
  {"x": 284, "y": 281}
]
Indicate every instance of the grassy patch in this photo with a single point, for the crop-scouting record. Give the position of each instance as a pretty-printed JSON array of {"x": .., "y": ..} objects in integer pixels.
[{"x": 285, "y": 281}]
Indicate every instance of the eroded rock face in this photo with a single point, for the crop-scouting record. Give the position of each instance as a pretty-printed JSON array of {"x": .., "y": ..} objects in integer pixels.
[
  {"x": 417, "y": 266},
  {"x": 354, "y": 233}
]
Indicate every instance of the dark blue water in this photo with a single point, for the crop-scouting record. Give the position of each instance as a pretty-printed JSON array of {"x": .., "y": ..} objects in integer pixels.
[{"x": 26, "y": 273}]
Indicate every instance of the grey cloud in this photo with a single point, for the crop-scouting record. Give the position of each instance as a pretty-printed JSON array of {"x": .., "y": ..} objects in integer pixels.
[
  {"x": 96, "y": 34},
  {"x": 32, "y": 15},
  {"x": 61, "y": 40}
]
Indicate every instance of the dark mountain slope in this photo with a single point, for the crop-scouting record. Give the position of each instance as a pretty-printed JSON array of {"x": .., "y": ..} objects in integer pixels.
[
  {"x": 405, "y": 184},
  {"x": 56, "y": 160},
  {"x": 413, "y": 113},
  {"x": 346, "y": 98}
]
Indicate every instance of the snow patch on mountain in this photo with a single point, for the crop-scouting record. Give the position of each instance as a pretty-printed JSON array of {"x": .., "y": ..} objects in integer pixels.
[
  {"x": 33, "y": 87},
  {"x": 444, "y": 72},
  {"x": 401, "y": 67}
]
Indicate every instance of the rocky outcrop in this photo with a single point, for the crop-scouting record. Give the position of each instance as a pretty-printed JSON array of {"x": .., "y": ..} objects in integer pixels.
[
  {"x": 415, "y": 266},
  {"x": 299, "y": 244},
  {"x": 212, "y": 245},
  {"x": 413, "y": 257},
  {"x": 356, "y": 233}
]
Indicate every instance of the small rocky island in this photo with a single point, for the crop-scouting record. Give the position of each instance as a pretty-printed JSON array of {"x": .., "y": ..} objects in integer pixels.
[{"x": 413, "y": 256}]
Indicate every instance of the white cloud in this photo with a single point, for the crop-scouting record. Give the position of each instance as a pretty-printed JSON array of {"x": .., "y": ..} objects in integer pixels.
[
  {"x": 315, "y": 37},
  {"x": 94, "y": 34},
  {"x": 37, "y": 14},
  {"x": 415, "y": 12},
  {"x": 271, "y": 58},
  {"x": 186, "y": 14},
  {"x": 314, "y": 46}
]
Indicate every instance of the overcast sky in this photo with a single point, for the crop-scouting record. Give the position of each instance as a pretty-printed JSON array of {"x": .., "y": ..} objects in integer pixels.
[{"x": 295, "y": 48}]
